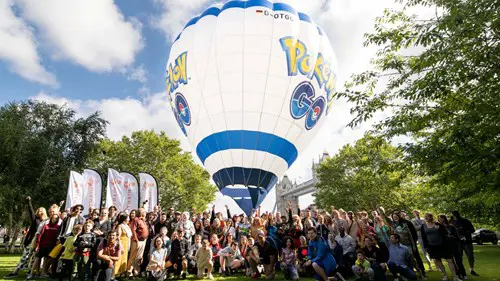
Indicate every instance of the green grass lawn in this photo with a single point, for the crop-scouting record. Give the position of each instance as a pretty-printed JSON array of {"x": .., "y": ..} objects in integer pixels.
[{"x": 487, "y": 265}]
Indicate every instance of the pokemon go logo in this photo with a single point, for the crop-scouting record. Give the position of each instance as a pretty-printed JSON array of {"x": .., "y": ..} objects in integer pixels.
[
  {"x": 303, "y": 104},
  {"x": 299, "y": 60},
  {"x": 177, "y": 73}
]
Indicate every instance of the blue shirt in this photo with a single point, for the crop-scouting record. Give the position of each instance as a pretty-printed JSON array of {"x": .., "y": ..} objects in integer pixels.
[
  {"x": 319, "y": 252},
  {"x": 398, "y": 254}
]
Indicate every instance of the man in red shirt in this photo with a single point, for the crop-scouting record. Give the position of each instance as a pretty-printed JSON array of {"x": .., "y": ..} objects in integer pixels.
[{"x": 138, "y": 242}]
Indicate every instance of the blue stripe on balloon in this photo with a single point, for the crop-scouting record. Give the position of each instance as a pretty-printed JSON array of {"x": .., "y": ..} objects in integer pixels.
[
  {"x": 248, "y": 140},
  {"x": 258, "y": 181},
  {"x": 304, "y": 17},
  {"x": 214, "y": 11},
  {"x": 252, "y": 177}
]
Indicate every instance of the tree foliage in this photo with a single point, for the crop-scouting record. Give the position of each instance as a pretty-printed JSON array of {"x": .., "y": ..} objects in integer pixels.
[
  {"x": 39, "y": 144},
  {"x": 446, "y": 97},
  {"x": 365, "y": 175},
  {"x": 182, "y": 183}
]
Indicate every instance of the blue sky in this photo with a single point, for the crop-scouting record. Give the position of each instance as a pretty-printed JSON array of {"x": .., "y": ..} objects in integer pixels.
[{"x": 110, "y": 56}]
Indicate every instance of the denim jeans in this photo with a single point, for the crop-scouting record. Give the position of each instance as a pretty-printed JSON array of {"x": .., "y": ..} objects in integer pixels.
[{"x": 403, "y": 271}]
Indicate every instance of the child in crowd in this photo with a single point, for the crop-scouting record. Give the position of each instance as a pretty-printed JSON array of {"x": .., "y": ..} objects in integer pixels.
[
  {"x": 362, "y": 268},
  {"x": 65, "y": 265},
  {"x": 203, "y": 259},
  {"x": 84, "y": 243}
]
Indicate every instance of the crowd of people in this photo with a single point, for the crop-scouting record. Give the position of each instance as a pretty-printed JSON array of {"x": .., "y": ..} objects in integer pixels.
[{"x": 325, "y": 244}]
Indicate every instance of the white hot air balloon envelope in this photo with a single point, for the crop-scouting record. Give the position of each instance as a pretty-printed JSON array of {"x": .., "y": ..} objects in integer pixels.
[{"x": 250, "y": 84}]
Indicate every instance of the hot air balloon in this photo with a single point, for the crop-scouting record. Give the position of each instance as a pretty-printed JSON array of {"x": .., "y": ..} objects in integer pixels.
[{"x": 249, "y": 84}]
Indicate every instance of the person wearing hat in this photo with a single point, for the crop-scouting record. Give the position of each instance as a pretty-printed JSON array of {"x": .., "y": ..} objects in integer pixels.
[
  {"x": 69, "y": 222},
  {"x": 268, "y": 254}
]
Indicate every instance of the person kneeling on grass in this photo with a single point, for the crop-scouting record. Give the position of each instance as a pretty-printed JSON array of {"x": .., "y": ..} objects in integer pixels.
[
  {"x": 319, "y": 256},
  {"x": 203, "y": 259},
  {"x": 362, "y": 268},
  {"x": 267, "y": 256}
]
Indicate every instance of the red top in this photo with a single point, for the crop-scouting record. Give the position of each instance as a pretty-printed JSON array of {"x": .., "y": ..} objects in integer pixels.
[
  {"x": 139, "y": 229},
  {"x": 48, "y": 235}
]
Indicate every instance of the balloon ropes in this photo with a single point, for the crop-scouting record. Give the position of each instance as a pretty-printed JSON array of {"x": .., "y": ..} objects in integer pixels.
[{"x": 250, "y": 84}]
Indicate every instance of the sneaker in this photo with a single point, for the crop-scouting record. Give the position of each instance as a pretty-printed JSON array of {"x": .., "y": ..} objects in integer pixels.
[
  {"x": 396, "y": 279},
  {"x": 183, "y": 275},
  {"x": 339, "y": 276},
  {"x": 464, "y": 278},
  {"x": 445, "y": 278},
  {"x": 29, "y": 276},
  {"x": 11, "y": 275},
  {"x": 271, "y": 277},
  {"x": 210, "y": 277},
  {"x": 456, "y": 278},
  {"x": 473, "y": 273},
  {"x": 227, "y": 272},
  {"x": 44, "y": 276}
]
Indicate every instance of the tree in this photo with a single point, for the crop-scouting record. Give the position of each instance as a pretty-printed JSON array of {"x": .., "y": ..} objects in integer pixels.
[
  {"x": 368, "y": 174},
  {"x": 446, "y": 97},
  {"x": 39, "y": 144},
  {"x": 182, "y": 183}
]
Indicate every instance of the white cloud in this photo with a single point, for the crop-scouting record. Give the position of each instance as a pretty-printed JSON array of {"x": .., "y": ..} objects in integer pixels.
[
  {"x": 136, "y": 74},
  {"x": 176, "y": 13},
  {"x": 91, "y": 33},
  {"x": 18, "y": 47},
  {"x": 127, "y": 115}
]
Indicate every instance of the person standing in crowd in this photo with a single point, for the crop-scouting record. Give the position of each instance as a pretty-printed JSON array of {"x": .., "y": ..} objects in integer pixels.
[
  {"x": 108, "y": 253},
  {"x": 139, "y": 235},
  {"x": 349, "y": 247},
  {"x": 124, "y": 234},
  {"x": 102, "y": 227},
  {"x": 112, "y": 213},
  {"x": 150, "y": 222},
  {"x": 162, "y": 222},
  {"x": 319, "y": 256},
  {"x": 465, "y": 230},
  {"x": 84, "y": 243},
  {"x": 454, "y": 246},
  {"x": 36, "y": 218},
  {"x": 46, "y": 242},
  {"x": 68, "y": 223},
  {"x": 417, "y": 222},
  {"x": 434, "y": 240},
  {"x": 174, "y": 220},
  {"x": 66, "y": 267}
]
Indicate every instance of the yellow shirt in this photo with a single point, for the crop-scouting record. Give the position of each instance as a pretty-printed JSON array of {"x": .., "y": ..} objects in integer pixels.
[{"x": 69, "y": 248}]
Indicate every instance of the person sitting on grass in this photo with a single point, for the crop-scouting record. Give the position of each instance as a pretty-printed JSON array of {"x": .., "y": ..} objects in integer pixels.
[
  {"x": 203, "y": 259},
  {"x": 231, "y": 258},
  {"x": 156, "y": 265},
  {"x": 289, "y": 260},
  {"x": 319, "y": 256},
  {"x": 399, "y": 259},
  {"x": 362, "y": 268}
]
